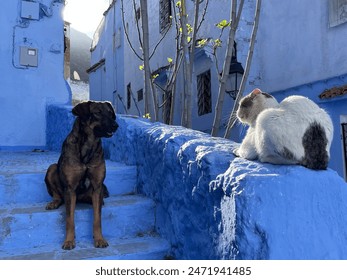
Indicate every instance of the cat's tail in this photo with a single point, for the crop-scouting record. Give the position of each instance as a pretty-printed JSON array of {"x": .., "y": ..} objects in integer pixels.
[{"x": 315, "y": 144}]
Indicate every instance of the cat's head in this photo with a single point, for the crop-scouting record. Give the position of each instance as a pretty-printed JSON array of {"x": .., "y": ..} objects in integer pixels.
[{"x": 252, "y": 104}]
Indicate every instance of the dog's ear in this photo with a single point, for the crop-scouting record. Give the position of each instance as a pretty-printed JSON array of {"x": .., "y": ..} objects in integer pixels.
[
  {"x": 110, "y": 106},
  {"x": 82, "y": 110}
]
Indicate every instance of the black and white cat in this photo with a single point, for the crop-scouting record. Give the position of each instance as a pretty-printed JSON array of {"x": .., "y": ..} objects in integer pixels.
[{"x": 295, "y": 131}]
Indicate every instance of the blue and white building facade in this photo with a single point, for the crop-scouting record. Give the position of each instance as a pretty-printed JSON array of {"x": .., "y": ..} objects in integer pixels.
[
  {"x": 32, "y": 70},
  {"x": 302, "y": 46},
  {"x": 115, "y": 73},
  {"x": 300, "y": 49}
]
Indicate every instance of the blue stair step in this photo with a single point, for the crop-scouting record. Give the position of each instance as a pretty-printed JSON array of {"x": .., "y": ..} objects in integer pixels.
[
  {"x": 137, "y": 248},
  {"x": 28, "y": 231},
  {"x": 22, "y": 177},
  {"x": 32, "y": 225}
]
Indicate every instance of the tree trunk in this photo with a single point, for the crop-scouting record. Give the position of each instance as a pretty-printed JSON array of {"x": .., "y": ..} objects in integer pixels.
[
  {"x": 187, "y": 93},
  {"x": 225, "y": 73},
  {"x": 232, "y": 118},
  {"x": 171, "y": 86},
  {"x": 147, "y": 71}
]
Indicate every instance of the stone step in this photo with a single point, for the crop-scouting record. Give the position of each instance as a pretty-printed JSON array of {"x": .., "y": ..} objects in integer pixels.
[
  {"x": 28, "y": 231},
  {"x": 29, "y": 226},
  {"x": 146, "y": 247},
  {"x": 22, "y": 177},
  {"x": 120, "y": 179}
]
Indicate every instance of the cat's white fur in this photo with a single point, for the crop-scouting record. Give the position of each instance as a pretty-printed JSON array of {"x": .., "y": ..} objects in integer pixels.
[{"x": 276, "y": 130}]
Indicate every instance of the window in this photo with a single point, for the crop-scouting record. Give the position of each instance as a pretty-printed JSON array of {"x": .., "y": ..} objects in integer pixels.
[
  {"x": 138, "y": 14},
  {"x": 128, "y": 96},
  {"x": 164, "y": 14},
  {"x": 117, "y": 39},
  {"x": 204, "y": 93},
  {"x": 139, "y": 95}
]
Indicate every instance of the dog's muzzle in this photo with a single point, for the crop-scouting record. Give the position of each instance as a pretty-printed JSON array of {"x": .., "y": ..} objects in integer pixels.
[
  {"x": 106, "y": 130},
  {"x": 113, "y": 130}
]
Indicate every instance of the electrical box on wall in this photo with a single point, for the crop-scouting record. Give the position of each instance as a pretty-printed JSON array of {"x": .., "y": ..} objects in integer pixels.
[
  {"x": 28, "y": 56},
  {"x": 30, "y": 10}
]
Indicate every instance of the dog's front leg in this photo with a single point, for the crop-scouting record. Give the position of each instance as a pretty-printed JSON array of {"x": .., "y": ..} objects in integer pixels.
[
  {"x": 97, "y": 198},
  {"x": 70, "y": 202}
]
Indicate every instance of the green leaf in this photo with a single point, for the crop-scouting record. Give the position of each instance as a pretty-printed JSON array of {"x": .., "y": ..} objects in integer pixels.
[
  {"x": 222, "y": 24},
  {"x": 147, "y": 116},
  {"x": 189, "y": 28},
  {"x": 169, "y": 59},
  {"x": 202, "y": 43},
  {"x": 142, "y": 67},
  {"x": 217, "y": 43},
  {"x": 178, "y": 4}
]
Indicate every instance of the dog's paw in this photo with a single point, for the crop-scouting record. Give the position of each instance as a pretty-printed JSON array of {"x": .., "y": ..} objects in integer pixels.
[
  {"x": 53, "y": 205},
  {"x": 100, "y": 243},
  {"x": 69, "y": 245}
]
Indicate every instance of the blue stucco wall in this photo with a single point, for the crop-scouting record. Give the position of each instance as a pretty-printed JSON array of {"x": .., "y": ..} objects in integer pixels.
[
  {"x": 107, "y": 81},
  {"x": 26, "y": 91},
  {"x": 336, "y": 107},
  {"x": 59, "y": 123},
  {"x": 210, "y": 205},
  {"x": 296, "y": 45}
]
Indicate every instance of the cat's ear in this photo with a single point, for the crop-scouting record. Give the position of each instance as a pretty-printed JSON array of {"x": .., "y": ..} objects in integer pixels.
[{"x": 256, "y": 91}]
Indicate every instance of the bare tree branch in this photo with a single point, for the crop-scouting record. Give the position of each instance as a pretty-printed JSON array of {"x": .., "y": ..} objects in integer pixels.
[
  {"x": 171, "y": 85},
  {"x": 239, "y": 11},
  {"x": 161, "y": 39},
  {"x": 127, "y": 34},
  {"x": 232, "y": 119},
  {"x": 137, "y": 24},
  {"x": 225, "y": 73},
  {"x": 187, "y": 96},
  {"x": 214, "y": 53},
  {"x": 147, "y": 70},
  {"x": 203, "y": 16},
  {"x": 195, "y": 27}
]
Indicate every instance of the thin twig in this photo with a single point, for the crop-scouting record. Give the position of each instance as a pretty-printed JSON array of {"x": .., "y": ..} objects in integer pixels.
[
  {"x": 193, "y": 39},
  {"x": 203, "y": 16},
  {"x": 225, "y": 73},
  {"x": 127, "y": 34},
  {"x": 137, "y": 25},
  {"x": 239, "y": 11},
  {"x": 158, "y": 43}
]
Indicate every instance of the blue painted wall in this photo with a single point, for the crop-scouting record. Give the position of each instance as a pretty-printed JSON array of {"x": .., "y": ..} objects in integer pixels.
[
  {"x": 59, "y": 124},
  {"x": 25, "y": 91},
  {"x": 107, "y": 81},
  {"x": 296, "y": 46},
  {"x": 300, "y": 54},
  {"x": 336, "y": 107},
  {"x": 210, "y": 205}
]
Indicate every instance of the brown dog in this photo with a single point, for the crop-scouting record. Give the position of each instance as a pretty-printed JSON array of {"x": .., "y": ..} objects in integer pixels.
[{"x": 80, "y": 171}]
